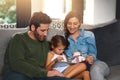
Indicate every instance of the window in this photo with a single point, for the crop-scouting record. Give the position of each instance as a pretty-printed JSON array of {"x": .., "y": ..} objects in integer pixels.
[
  {"x": 57, "y": 9},
  {"x": 7, "y": 11}
]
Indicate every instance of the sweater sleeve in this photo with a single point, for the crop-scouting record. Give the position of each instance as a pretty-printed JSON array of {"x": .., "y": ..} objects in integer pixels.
[{"x": 17, "y": 61}]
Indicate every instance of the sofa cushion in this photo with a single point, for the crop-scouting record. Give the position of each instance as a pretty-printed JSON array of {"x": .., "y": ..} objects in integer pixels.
[
  {"x": 115, "y": 73},
  {"x": 56, "y": 27}
]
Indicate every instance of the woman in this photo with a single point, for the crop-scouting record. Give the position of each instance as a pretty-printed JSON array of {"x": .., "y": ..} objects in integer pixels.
[{"x": 84, "y": 42}]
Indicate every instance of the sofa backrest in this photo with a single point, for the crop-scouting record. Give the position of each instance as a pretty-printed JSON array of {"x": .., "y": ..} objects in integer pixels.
[{"x": 56, "y": 27}]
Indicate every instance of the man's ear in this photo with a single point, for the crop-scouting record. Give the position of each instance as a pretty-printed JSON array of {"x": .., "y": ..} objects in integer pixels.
[{"x": 32, "y": 28}]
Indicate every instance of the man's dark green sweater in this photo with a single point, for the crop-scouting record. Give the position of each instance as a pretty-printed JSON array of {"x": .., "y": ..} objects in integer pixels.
[{"x": 26, "y": 56}]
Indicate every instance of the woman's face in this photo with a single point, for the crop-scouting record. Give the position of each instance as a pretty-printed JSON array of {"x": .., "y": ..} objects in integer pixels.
[{"x": 73, "y": 25}]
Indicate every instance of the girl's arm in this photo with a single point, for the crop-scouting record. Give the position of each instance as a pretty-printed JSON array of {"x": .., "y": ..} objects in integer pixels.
[{"x": 49, "y": 63}]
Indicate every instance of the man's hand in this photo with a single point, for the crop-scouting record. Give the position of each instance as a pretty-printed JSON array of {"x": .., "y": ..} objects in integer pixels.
[
  {"x": 90, "y": 59},
  {"x": 54, "y": 73}
]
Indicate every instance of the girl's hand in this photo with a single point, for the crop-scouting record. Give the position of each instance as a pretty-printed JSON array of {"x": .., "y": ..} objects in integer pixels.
[{"x": 59, "y": 58}]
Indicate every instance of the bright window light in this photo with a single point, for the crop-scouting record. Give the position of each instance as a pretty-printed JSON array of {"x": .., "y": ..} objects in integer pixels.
[
  {"x": 57, "y": 8},
  {"x": 88, "y": 12}
]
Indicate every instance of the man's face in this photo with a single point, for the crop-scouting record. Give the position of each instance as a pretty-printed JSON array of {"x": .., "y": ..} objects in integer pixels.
[{"x": 41, "y": 32}]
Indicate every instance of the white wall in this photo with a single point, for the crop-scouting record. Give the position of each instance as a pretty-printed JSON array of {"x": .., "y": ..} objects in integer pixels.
[
  {"x": 99, "y": 11},
  {"x": 36, "y": 5}
]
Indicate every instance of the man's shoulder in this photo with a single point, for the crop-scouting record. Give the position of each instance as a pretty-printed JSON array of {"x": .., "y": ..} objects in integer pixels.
[{"x": 19, "y": 35}]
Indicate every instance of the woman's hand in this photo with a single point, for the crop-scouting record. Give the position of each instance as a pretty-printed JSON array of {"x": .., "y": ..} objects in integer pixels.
[{"x": 90, "y": 59}]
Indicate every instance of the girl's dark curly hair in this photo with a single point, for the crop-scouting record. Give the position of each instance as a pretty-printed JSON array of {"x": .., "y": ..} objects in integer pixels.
[{"x": 58, "y": 40}]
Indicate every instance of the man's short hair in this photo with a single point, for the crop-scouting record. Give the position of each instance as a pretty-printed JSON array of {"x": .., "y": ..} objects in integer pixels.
[{"x": 39, "y": 18}]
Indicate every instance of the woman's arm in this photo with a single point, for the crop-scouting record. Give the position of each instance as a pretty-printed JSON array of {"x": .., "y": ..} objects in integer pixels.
[{"x": 92, "y": 50}]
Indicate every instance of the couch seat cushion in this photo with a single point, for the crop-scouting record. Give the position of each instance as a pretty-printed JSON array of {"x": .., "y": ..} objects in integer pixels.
[{"x": 115, "y": 73}]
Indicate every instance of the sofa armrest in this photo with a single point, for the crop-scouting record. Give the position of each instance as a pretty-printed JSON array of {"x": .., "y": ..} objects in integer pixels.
[{"x": 108, "y": 43}]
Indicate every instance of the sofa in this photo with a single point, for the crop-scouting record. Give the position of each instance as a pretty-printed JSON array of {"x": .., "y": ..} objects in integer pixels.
[{"x": 107, "y": 42}]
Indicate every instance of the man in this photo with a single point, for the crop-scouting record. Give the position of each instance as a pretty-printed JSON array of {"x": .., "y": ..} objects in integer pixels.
[{"x": 26, "y": 53}]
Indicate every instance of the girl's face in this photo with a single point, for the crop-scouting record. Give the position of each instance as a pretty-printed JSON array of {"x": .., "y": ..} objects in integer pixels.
[
  {"x": 73, "y": 25},
  {"x": 58, "y": 50}
]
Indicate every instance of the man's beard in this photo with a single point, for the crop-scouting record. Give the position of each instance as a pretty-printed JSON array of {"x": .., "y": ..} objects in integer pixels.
[{"x": 39, "y": 37}]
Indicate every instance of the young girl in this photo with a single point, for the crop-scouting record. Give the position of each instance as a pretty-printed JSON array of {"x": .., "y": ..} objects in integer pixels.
[{"x": 57, "y": 60}]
